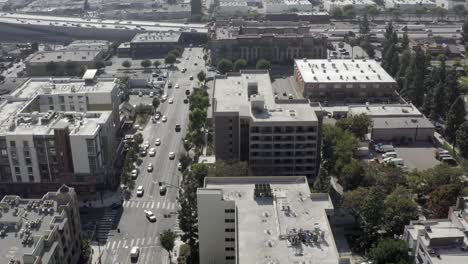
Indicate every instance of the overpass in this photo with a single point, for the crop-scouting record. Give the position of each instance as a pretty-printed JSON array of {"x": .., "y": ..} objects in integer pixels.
[{"x": 24, "y": 27}]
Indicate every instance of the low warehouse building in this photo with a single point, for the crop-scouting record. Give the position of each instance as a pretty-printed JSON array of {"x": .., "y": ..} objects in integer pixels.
[{"x": 402, "y": 129}]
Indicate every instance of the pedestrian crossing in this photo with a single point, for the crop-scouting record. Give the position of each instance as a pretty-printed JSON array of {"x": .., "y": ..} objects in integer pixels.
[
  {"x": 150, "y": 205},
  {"x": 132, "y": 242},
  {"x": 105, "y": 225},
  {"x": 177, "y": 228}
]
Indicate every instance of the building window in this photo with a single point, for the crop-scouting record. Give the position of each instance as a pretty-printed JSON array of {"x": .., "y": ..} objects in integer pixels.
[
  {"x": 28, "y": 161},
  {"x": 230, "y": 257},
  {"x": 61, "y": 99},
  {"x": 17, "y": 170},
  {"x": 30, "y": 170},
  {"x": 51, "y": 107},
  {"x": 91, "y": 146},
  {"x": 18, "y": 178},
  {"x": 229, "y": 211},
  {"x": 13, "y": 144},
  {"x": 229, "y": 249},
  {"x": 25, "y": 144},
  {"x": 50, "y": 99},
  {"x": 229, "y": 230},
  {"x": 62, "y": 107},
  {"x": 229, "y": 239},
  {"x": 31, "y": 178},
  {"x": 228, "y": 220},
  {"x": 72, "y": 107}
]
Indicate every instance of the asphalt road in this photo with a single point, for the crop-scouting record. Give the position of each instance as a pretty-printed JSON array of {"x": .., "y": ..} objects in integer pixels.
[{"x": 135, "y": 229}]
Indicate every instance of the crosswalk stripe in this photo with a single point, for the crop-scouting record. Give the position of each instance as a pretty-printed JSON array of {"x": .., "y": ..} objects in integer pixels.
[
  {"x": 137, "y": 242},
  {"x": 118, "y": 244},
  {"x": 124, "y": 244},
  {"x": 158, "y": 205},
  {"x": 163, "y": 205},
  {"x": 125, "y": 204},
  {"x": 173, "y": 206},
  {"x": 149, "y": 240},
  {"x": 137, "y": 204},
  {"x": 113, "y": 245},
  {"x": 143, "y": 241},
  {"x": 107, "y": 245},
  {"x": 131, "y": 243},
  {"x": 152, "y": 205}
]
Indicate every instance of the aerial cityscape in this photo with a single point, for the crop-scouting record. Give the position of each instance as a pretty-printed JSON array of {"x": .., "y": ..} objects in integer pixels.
[{"x": 234, "y": 131}]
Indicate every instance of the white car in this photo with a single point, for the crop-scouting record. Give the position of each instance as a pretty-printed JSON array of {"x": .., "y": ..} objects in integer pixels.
[
  {"x": 164, "y": 97},
  {"x": 164, "y": 119},
  {"x": 146, "y": 144},
  {"x": 151, "y": 217},
  {"x": 171, "y": 155},
  {"x": 134, "y": 174},
  {"x": 157, "y": 142},
  {"x": 179, "y": 166},
  {"x": 140, "y": 191},
  {"x": 151, "y": 94},
  {"x": 177, "y": 86},
  {"x": 171, "y": 100},
  {"x": 152, "y": 152},
  {"x": 150, "y": 167},
  {"x": 140, "y": 94}
]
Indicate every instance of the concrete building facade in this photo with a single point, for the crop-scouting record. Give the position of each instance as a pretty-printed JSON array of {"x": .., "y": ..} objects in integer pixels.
[
  {"x": 55, "y": 131},
  {"x": 276, "y": 42},
  {"x": 150, "y": 44},
  {"x": 46, "y": 230},
  {"x": 276, "y": 137},
  {"x": 340, "y": 79},
  {"x": 258, "y": 219}
]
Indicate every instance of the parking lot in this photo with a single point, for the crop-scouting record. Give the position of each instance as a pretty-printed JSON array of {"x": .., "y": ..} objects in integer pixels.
[{"x": 418, "y": 156}]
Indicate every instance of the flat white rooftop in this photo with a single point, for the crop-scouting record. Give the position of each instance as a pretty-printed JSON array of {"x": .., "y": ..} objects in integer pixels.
[
  {"x": 264, "y": 225},
  {"x": 342, "y": 71},
  {"x": 65, "y": 55},
  {"x": 149, "y": 37},
  {"x": 231, "y": 95},
  {"x": 385, "y": 110}
]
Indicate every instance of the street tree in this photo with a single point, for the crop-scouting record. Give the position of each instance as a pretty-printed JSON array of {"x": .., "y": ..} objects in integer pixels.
[
  {"x": 353, "y": 200},
  {"x": 156, "y": 64},
  {"x": 460, "y": 11},
  {"x": 71, "y": 67},
  {"x": 199, "y": 172},
  {"x": 405, "y": 41},
  {"x": 35, "y": 46},
  {"x": 400, "y": 208},
  {"x": 263, "y": 64},
  {"x": 175, "y": 52},
  {"x": 240, "y": 64},
  {"x": 197, "y": 119},
  {"x": 352, "y": 175},
  {"x": 99, "y": 64},
  {"x": 455, "y": 118},
  {"x": 127, "y": 64},
  {"x": 322, "y": 182},
  {"x": 373, "y": 11},
  {"x": 462, "y": 139},
  {"x": 371, "y": 216},
  {"x": 390, "y": 251},
  {"x": 419, "y": 13},
  {"x": 442, "y": 198},
  {"x": 155, "y": 103},
  {"x": 51, "y": 67},
  {"x": 224, "y": 66},
  {"x": 358, "y": 125},
  {"x": 229, "y": 168},
  {"x": 170, "y": 59},
  {"x": 138, "y": 138},
  {"x": 167, "y": 239},
  {"x": 201, "y": 76},
  {"x": 188, "y": 219},
  {"x": 145, "y": 64},
  {"x": 364, "y": 28}
]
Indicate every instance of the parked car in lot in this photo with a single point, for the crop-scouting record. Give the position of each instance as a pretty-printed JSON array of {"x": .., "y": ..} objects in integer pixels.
[
  {"x": 449, "y": 161},
  {"x": 390, "y": 154},
  {"x": 380, "y": 148}
]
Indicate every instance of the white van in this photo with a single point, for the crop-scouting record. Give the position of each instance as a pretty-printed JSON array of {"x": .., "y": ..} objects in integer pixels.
[
  {"x": 134, "y": 252},
  {"x": 396, "y": 162},
  {"x": 391, "y": 154}
]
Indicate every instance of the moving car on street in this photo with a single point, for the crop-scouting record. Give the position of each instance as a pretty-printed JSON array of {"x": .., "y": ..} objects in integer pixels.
[
  {"x": 151, "y": 217},
  {"x": 140, "y": 191}
]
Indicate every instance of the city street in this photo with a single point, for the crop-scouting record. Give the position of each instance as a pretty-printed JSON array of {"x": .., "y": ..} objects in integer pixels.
[{"x": 135, "y": 229}]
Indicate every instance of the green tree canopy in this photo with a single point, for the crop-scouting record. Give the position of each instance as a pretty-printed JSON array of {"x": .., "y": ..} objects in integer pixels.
[
  {"x": 352, "y": 175},
  {"x": 167, "y": 239},
  {"x": 263, "y": 65},
  {"x": 455, "y": 118},
  {"x": 170, "y": 59},
  {"x": 390, "y": 251},
  {"x": 155, "y": 103},
  {"x": 322, "y": 181},
  {"x": 240, "y": 64},
  {"x": 462, "y": 139},
  {"x": 145, "y": 63},
  {"x": 201, "y": 76},
  {"x": 156, "y": 63},
  {"x": 400, "y": 209},
  {"x": 127, "y": 64},
  {"x": 224, "y": 66},
  {"x": 197, "y": 119},
  {"x": 358, "y": 125},
  {"x": 442, "y": 198}
]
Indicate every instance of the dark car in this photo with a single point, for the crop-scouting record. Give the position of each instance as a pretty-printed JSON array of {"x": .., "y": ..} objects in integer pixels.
[
  {"x": 187, "y": 92},
  {"x": 162, "y": 190},
  {"x": 177, "y": 128},
  {"x": 185, "y": 101}
]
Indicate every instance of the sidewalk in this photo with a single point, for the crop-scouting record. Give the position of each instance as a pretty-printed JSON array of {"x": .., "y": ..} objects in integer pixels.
[
  {"x": 100, "y": 199},
  {"x": 95, "y": 253},
  {"x": 175, "y": 251}
]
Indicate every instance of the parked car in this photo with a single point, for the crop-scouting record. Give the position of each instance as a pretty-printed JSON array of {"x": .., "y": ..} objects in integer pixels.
[
  {"x": 157, "y": 142},
  {"x": 152, "y": 152},
  {"x": 390, "y": 154},
  {"x": 134, "y": 174},
  {"x": 449, "y": 161},
  {"x": 162, "y": 190},
  {"x": 171, "y": 155},
  {"x": 150, "y": 167},
  {"x": 177, "y": 128}
]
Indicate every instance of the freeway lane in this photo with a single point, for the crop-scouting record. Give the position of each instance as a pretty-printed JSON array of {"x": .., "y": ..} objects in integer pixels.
[{"x": 135, "y": 229}]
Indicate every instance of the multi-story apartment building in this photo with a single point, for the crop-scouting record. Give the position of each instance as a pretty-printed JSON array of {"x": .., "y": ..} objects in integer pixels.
[
  {"x": 264, "y": 220},
  {"x": 151, "y": 44},
  {"x": 55, "y": 131},
  {"x": 342, "y": 79},
  {"x": 45, "y": 230},
  {"x": 438, "y": 241},
  {"x": 277, "y": 42},
  {"x": 276, "y": 136}
]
